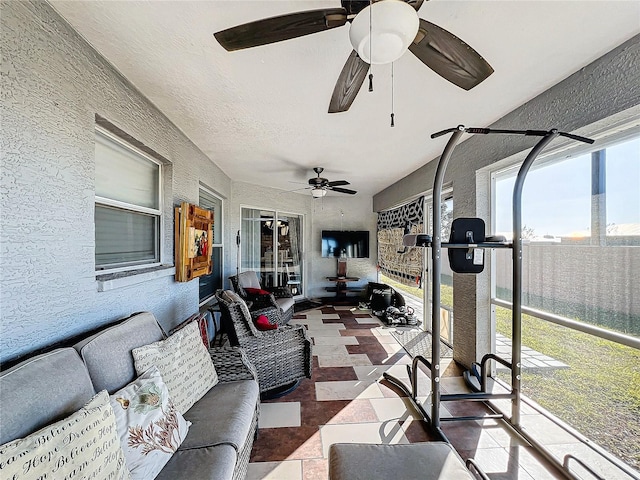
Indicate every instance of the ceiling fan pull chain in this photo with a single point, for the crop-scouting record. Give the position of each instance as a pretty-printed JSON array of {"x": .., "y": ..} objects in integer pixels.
[
  {"x": 370, "y": 42},
  {"x": 392, "y": 114}
]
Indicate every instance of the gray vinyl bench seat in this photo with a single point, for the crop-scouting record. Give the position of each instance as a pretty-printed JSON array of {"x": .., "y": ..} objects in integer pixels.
[{"x": 415, "y": 461}]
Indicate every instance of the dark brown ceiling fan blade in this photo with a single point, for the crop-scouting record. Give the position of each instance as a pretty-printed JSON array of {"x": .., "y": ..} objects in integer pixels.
[
  {"x": 354, "y": 7},
  {"x": 283, "y": 27},
  {"x": 343, "y": 190},
  {"x": 449, "y": 57},
  {"x": 338, "y": 183},
  {"x": 349, "y": 82},
  {"x": 416, "y": 4}
]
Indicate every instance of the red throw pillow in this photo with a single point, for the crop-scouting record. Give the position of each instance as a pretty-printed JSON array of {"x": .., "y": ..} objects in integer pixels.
[
  {"x": 262, "y": 323},
  {"x": 256, "y": 291}
]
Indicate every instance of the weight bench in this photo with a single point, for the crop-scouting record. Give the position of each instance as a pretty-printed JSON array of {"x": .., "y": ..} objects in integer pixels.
[{"x": 414, "y": 461}]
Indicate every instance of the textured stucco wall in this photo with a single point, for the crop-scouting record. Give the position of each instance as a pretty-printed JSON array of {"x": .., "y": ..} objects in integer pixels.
[
  {"x": 606, "y": 87},
  {"x": 329, "y": 213},
  {"x": 53, "y": 84},
  {"x": 341, "y": 213}
]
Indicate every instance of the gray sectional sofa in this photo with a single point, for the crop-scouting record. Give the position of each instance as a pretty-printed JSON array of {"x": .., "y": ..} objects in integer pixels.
[{"x": 51, "y": 386}]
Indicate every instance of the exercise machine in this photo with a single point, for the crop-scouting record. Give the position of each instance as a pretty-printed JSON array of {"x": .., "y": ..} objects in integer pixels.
[{"x": 466, "y": 247}]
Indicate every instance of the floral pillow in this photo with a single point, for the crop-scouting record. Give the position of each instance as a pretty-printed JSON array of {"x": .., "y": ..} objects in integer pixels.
[
  {"x": 149, "y": 426},
  {"x": 83, "y": 445},
  {"x": 184, "y": 363}
]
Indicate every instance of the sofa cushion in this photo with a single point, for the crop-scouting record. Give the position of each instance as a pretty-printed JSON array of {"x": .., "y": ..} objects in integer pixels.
[
  {"x": 107, "y": 354},
  {"x": 209, "y": 463},
  {"x": 149, "y": 426},
  {"x": 223, "y": 415},
  {"x": 41, "y": 390},
  {"x": 85, "y": 444},
  {"x": 184, "y": 363}
]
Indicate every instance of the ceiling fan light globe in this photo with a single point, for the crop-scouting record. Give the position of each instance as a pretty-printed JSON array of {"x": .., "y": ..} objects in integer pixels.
[
  {"x": 318, "y": 192},
  {"x": 394, "y": 25}
]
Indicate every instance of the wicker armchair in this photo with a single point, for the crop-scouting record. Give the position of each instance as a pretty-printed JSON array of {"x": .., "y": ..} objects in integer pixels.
[
  {"x": 280, "y": 297},
  {"x": 281, "y": 356}
]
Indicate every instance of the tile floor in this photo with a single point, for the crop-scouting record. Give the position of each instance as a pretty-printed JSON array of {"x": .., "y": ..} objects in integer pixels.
[{"x": 347, "y": 400}]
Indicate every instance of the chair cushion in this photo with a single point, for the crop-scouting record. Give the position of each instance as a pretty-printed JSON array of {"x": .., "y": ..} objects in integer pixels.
[
  {"x": 208, "y": 463},
  {"x": 285, "y": 303},
  {"x": 41, "y": 390},
  {"x": 249, "y": 279},
  {"x": 184, "y": 363},
  {"x": 107, "y": 354},
  {"x": 84, "y": 444},
  {"x": 223, "y": 415},
  {"x": 231, "y": 297},
  {"x": 149, "y": 426},
  {"x": 416, "y": 461}
]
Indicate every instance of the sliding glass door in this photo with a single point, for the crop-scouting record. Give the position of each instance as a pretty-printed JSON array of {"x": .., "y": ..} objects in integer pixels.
[{"x": 272, "y": 246}]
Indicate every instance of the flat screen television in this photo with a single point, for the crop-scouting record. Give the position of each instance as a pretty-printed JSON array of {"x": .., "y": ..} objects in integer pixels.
[{"x": 345, "y": 243}]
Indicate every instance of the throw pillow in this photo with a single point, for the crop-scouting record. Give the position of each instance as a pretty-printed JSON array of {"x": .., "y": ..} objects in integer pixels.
[
  {"x": 149, "y": 426},
  {"x": 231, "y": 297},
  {"x": 257, "y": 291},
  {"x": 184, "y": 363},
  {"x": 83, "y": 445},
  {"x": 262, "y": 323}
]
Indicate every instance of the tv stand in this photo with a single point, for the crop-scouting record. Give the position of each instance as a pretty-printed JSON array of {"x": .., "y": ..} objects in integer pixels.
[{"x": 341, "y": 288}]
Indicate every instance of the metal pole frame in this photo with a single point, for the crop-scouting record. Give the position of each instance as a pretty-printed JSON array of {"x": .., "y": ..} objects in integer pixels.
[
  {"x": 516, "y": 312},
  {"x": 516, "y": 318},
  {"x": 436, "y": 254}
]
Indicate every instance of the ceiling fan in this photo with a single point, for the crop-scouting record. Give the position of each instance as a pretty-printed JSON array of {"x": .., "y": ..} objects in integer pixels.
[
  {"x": 380, "y": 32},
  {"x": 319, "y": 186}
]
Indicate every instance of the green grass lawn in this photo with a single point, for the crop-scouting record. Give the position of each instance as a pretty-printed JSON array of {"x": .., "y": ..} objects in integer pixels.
[
  {"x": 598, "y": 395},
  {"x": 446, "y": 291}
]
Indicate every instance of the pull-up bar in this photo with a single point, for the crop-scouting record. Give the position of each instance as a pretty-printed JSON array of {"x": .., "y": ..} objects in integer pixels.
[{"x": 528, "y": 133}]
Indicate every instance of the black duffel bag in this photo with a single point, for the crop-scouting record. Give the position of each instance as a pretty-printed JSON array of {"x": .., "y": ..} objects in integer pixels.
[{"x": 381, "y": 296}]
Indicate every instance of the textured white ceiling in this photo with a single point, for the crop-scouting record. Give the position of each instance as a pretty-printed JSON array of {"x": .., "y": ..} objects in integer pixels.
[{"x": 261, "y": 113}]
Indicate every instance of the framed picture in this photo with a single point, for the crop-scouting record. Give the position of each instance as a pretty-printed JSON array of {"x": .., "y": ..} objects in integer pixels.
[{"x": 193, "y": 233}]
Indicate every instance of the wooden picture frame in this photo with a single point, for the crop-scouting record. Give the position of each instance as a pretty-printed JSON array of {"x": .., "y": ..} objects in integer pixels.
[{"x": 193, "y": 238}]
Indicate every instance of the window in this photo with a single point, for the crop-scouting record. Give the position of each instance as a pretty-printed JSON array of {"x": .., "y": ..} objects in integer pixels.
[
  {"x": 272, "y": 245},
  {"x": 127, "y": 205},
  {"x": 580, "y": 258},
  {"x": 212, "y": 282}
]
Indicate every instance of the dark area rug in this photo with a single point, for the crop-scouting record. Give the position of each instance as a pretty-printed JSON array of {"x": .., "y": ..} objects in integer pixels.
[
  {"x": 418, "y": 342},
  {"x": 306, "y": 304}
]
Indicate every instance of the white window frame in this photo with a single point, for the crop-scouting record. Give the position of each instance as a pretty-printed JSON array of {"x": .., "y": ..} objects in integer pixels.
[
  {"x": 605, "y": 140},
  {"x": 214, "y": 245},
  {"x": 107, "y": 202},
  {"x": 277, "y": 212}
]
